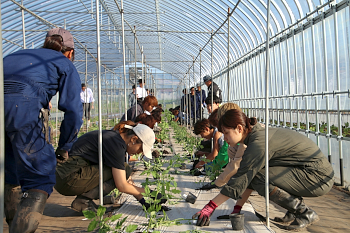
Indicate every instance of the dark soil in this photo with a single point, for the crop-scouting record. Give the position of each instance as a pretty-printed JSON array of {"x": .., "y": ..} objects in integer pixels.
[
  {"x": 166, "y": 152},
  {"x": 155, "y": 154}
]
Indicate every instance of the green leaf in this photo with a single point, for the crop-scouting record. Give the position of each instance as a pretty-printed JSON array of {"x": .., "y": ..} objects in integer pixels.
[
  {"x": 100, "y": 211},
  {"x": 92, "y": 225},
  {"x": 131, "y": 228},
  {"x": 89, "y": 214},
  {"x": 175, "y": 191},
  {"x": 115, "y": 217}
]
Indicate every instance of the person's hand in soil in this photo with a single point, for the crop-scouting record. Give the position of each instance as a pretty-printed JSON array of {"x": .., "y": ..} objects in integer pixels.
[{"x": 205, "y": 214}]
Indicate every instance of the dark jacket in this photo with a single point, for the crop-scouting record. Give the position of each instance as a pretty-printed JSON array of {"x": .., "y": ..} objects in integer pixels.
[
  {"x": 31, "y": 78},
  {"x": 216, "y": 92},
  {"x": 132, "y": 114},
  {"x": 287, "y": 148},
  {"x": 203, "y": 95}
]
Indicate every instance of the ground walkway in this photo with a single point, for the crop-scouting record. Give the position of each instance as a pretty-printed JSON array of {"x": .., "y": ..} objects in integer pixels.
[{"x": 333, "y": 209}]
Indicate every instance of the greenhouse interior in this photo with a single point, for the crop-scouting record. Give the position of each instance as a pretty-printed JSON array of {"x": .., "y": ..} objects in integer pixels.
[{"x": 148, "y": 110}]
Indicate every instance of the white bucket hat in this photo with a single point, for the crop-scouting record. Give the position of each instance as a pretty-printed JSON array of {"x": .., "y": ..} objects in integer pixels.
[{"x": 147, "y": 137}]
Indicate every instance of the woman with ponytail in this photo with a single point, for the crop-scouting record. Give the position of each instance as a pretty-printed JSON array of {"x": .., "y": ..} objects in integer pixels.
[
  {"x": 79, "y": 175},
  {"x": 297, "y": 169},
  {"x": 31, "y": 78}
]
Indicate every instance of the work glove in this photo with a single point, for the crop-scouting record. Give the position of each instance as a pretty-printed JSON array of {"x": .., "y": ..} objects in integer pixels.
[
  {"x": 147, "y": 205},
  {"x": 159, "y": 197},
  {"x": 61, "y": 155},
  {"x": 236, "y": 210},
  {"x": 205, "y": 214},
  {"x": 207, "y": 187}
]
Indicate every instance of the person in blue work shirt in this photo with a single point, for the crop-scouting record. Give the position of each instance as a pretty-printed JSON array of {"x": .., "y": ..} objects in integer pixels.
[
  {"x": 87, "y": 98},
  {"x": 31, "y": 78}
]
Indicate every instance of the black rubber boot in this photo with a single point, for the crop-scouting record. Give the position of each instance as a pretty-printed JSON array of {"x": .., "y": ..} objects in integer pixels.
[
  {"x": 303, "y": 220},
  {"x": 287, "y": 218},
  {"x": 85, "y": 200},
  {"x": 29, "y": 211},
  {"x": 81, "y": 203},
  {"x": 304, "y": 216},
  {"x": 12, "y": 197}
]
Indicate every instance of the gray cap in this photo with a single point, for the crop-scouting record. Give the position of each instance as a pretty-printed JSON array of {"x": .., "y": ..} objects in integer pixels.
[
  {"x": 66, "y": 36},
  {"x": 207, "y": 78}
]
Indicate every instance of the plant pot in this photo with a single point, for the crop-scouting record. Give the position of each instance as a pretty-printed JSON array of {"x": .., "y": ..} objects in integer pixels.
[
  {"x": 191, "y": 198},
  {"x": 237, "y": 221}
]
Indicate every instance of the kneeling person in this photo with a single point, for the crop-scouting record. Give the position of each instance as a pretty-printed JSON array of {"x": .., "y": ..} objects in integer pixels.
[{"x": 79, "y": 175}]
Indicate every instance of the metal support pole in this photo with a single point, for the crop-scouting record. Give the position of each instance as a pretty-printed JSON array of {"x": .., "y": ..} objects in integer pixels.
[
  {"x": 212, "y": 81},
  {"x": 86, "y": 91},
  {"x": 337, "y": 75},
  {"x": 189, "y": 100},
  {"x": 200, "y": 79},
  {"x": 267, "y": 116},
  {"x": 195, "y": 95},
  {"x": 23, "y": 28},
  {"x": 228, "y": 55},
  {"x": 142, "y": 72},
  {"x": 135, "y": 67},
  {"x": 100, "y": 160},
  {"x": 325, "y": 67},
  {"x": 305, "y": 86},
  {"x": 317, "y": 130},
  {"x": 2, "y": 135},
  {"x": 124, "y": 65},
  {"x": 106, "y": 86}
]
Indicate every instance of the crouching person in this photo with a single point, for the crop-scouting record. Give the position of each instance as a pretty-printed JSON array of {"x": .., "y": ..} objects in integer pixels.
[
  {"x": 79, "y": 175},
  {"x": 297, "y": 169}
]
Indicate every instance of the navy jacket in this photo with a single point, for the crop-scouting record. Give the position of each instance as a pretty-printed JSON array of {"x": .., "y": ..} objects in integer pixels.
[{"x": 34, "y": 76}]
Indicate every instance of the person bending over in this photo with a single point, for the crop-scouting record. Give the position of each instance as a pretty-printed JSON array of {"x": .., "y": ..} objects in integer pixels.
[
  {"x": 218, "y": 156},
  {"x": 146, "y": 105},
  {"x": 79, "y": 175},
  {"x": 235, "y": 154},
  {"x": 297, "y": 169}
]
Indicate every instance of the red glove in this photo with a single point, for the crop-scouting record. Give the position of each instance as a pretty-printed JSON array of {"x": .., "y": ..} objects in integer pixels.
[{"x": 205, "y": 213}]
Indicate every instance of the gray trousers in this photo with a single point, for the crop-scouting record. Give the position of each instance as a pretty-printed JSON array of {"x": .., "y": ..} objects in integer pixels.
[
  {"x": 306, "y": 181},
  {"x": 78, "y": 176}
]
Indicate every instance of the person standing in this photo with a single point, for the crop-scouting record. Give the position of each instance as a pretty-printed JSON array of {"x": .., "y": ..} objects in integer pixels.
[
  {"x": 216, "y": 90},
  {"x": 202, "y": 97},
  {"x": 141, "y": 91},
  {"x": 31, "y": 78},
  {"x": 87, "y": 98},
  {"x": 132, "y": 97},
  {"x": 195, "y": 105}
]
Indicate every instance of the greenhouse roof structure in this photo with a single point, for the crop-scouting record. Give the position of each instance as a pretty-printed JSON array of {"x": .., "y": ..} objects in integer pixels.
[{"x": 171, "y": 34}]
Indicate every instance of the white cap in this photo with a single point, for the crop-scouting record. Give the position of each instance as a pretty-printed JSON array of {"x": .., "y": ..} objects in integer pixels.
[{"x": 147, "y": 137}]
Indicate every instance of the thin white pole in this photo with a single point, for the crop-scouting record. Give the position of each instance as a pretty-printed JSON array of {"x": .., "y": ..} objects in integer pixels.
[
  {"x": 267, "y": 116},
  {"x": 228, "y": 55},
  {"x": 142, "y": 73},
  {"x": 135, "y": 68},
  {"x": 86, "y": 91},
  {"x": 23, "y": 28},
  {"x": 124, "y": 65},
  {"x": 98, "y": 70},
  {"x": 2, "y": 135}
]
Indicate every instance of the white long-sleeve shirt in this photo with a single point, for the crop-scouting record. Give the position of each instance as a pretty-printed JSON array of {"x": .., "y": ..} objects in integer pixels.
[
  {"x": 141, "y": 92},
  {"x": 87, "y": 96}
]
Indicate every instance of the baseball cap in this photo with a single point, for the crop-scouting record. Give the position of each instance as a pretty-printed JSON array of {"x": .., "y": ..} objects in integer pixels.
[
  {"x": 147, "y": 137},
  {"x": 66, "y": 36},
  {"x": 206, "y": 78}
]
